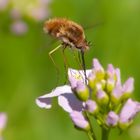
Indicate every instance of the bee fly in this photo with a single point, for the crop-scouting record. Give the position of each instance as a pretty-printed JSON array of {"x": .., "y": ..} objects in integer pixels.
[{"x": 70, "y": 33}]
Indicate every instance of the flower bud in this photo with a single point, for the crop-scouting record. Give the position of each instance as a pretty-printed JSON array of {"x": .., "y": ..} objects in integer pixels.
[
  {"x": 112, "y": 119},
  {"x": 118, "y": 77},
  {"x": 128, "y": 112},
  {"x": 91, "y": 80},
  {"x": 110, "y": 85},
  {"x": 103, "y": 83},
  {"x": 98, "y": 87},
  {"x": 102, "y": 97},
  {"x": 128, "y": 88},
  {"x": 92, "y": 107},
  {"x": 82, "y": 91},
  {"x": 98, "y": 69},
  {"x": 80, "y": 121},
  {"x": 116, "y": 94},
  {"x": 111, "y": 73}
]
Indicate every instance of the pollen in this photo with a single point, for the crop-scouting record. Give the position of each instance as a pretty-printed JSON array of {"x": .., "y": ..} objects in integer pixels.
[{"x": 78, "y": 76}]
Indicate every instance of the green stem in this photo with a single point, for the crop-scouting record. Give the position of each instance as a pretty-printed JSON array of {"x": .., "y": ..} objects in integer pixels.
[
  {"x": 89, "y": 136},
  {"x": 105, "y": 134},
  {"x": 91, "y": 133}
]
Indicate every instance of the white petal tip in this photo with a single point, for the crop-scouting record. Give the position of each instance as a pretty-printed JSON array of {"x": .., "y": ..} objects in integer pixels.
[{"x": 43, "y": 105}]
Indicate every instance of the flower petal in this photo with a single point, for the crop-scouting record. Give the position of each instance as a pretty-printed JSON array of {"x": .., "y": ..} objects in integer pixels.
[
  {"x": 79, "y": 120},
  {"x": 70, "y": 103},
  {"x": 91, "y": 106},
  {"x": 77, "y": 75},
  {"x": 128, "y": 86},
  {"x": 97, "y": 66},
  {"x": 111, "y": 71},
  {"x": 112, "y": 119},
  {"x": 117, "y": 92},
  {"x": 45, "y": 100},
  {"x": 129, "y": 110},
  {"x": 110, "y": 84},
  {"x": 102, "y": 97},
  {"x": 118, "y": 76}
]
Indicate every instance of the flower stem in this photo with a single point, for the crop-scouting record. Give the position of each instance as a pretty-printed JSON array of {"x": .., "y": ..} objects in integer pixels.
[
  {"x": 105, "y": 134},
  {"x": 89, "y": 136},
  {"x": 91, "y": 133}
]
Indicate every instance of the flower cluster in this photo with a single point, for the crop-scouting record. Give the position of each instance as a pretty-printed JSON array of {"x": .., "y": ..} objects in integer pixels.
[
  {"x": 103, "y": 97},
  {"x": 38, "y": 10}
]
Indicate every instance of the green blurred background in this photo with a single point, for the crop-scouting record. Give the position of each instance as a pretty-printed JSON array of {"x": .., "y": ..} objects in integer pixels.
[{"x": 27, "y": 72}]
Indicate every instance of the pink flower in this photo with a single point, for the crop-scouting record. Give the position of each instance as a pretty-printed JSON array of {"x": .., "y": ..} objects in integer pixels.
[
  {"x": 128, "y": 86},
  {"x": 129, "y": 111},
  {"x": 112, "y": 119},
  {"x": 97, "y": 66},
  {"x": 66, "y": 98},
  {"x": 19, "y": 27},
  {"x": 91, "y": 106},
  {"x": 111, "y": 72},
  {"x": 100, "y": 96}
]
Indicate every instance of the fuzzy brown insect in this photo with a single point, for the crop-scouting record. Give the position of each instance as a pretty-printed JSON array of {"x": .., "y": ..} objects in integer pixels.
[{"x": 70, "y": 33}]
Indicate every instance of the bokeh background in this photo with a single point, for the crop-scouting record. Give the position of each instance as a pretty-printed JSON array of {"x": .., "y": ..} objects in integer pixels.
[{"x": 27, "y": 72}]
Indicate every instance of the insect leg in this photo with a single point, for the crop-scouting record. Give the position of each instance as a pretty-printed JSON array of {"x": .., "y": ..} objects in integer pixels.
[
  {"x": 83, "y": 65},
  {"x": 66, "y": 64},
  {"x": 57, "y": 68},
  {"x": 79, "y": 62}
]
